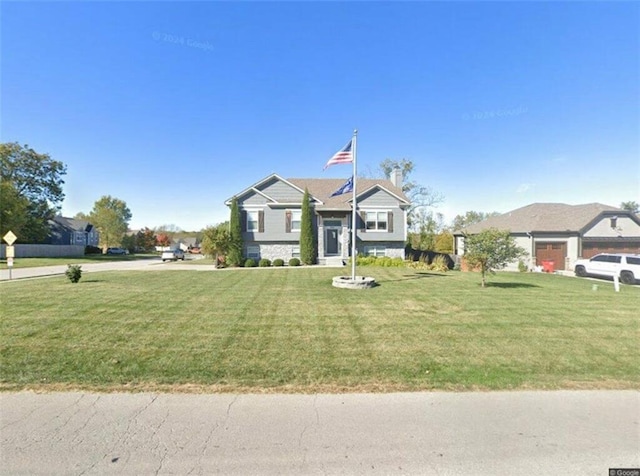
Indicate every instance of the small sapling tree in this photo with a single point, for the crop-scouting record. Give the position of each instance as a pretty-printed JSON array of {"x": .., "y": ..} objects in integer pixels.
[{"x": 491, "y": 250}]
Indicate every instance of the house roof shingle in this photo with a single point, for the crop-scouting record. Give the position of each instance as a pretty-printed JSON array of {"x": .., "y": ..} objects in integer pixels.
[
  {"x": 73, "y": 224},
  {"x": 544, "y": 217},
  {"x": 323, "y": 188}
]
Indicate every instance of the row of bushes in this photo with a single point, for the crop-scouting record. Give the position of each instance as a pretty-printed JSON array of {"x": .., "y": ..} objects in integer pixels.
[
  {"x": 383, "y": 261},
  {"x": 439, "y": 263},
  {"x": 265, "y": 263}
]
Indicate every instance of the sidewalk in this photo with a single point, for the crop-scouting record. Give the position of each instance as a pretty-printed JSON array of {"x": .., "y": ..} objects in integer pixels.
[{"x": 563, "y": 432}]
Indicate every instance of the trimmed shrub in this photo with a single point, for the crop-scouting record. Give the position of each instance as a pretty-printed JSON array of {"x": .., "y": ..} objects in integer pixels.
[
  {"x": 264, "y": 263},
  {"x": 278, "y": 262},
  {"x": 250, "y": 263},
  {"x": 74, "y": 272},
  {"x": 522, "y": 267},
  {"x": 294, "y": 262}
]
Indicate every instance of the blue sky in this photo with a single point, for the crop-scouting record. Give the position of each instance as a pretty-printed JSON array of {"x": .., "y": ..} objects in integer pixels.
[{"x": 174, "y": 107}]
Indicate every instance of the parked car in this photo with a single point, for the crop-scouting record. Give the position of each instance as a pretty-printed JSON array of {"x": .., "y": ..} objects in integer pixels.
[
  {"x": 172, "y": 255},
  {"x": 625, "y": 266},
  {"x": 117, "y": 251}
]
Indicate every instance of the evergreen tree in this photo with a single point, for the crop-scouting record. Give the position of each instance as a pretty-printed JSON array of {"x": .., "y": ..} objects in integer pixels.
[
  {"x": 234, "y": 255},
  {"x": 307, "y": 240}
]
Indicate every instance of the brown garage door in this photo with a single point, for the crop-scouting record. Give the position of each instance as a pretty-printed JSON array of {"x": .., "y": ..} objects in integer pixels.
[
  {"x": 555, "y": 251},
  {"x": 592, "y": 248}
]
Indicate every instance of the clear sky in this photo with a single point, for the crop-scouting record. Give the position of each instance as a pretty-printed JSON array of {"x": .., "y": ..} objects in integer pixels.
[{"x": 174, "y": 106}]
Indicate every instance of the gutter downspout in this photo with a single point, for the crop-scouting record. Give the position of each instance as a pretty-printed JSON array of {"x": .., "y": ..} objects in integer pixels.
[{"x": 533, "y": 252}]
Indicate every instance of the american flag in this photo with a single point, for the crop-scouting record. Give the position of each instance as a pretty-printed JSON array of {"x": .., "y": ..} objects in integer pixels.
[{"x": 343, "y": 156}]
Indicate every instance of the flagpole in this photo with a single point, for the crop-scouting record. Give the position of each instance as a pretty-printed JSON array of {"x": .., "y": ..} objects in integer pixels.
[{"x": 354, "y": 222}]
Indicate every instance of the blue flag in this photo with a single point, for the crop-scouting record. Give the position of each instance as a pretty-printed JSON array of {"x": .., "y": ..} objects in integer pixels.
[{"x": 346, "y": 188}]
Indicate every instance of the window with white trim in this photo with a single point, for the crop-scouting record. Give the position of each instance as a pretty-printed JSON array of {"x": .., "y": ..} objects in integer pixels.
[
  {"x": 296, "y": 220},
  {"x": 253, "y": 251},
  {"x": 252, "y": 220},
  {"x": 376, "y": 221},
  {"x": 375, "y": 250},
  {"x": 295, "y": 251}
]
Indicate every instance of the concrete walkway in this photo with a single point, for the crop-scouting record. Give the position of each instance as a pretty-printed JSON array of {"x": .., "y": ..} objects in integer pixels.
[{"x": 493, "y": 433}]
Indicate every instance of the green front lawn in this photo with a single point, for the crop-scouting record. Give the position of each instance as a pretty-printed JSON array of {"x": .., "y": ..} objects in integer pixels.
[{"x": 289, "y": 330}]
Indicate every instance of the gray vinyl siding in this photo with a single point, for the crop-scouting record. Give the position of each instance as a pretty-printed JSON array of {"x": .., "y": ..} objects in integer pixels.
[
  {"x": 396, "y": 235},
  {"x": 281, "y": 192},
  {"x": 274, "y": 228},
  {"x": 377, "y": 198},
  {"x": 252, "y": 199},
  {"x": 381, "y": 201}
]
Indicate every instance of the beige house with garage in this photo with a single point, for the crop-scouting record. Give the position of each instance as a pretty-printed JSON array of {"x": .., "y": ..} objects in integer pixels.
[{"x": 563, "y": 233}]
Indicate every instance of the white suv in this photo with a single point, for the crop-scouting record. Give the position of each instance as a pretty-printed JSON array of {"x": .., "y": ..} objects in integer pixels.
[{"x": 626, "y": 267}]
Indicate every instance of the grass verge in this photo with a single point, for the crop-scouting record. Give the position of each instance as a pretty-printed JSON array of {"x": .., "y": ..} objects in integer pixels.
[{"x": 289, "y": 330}]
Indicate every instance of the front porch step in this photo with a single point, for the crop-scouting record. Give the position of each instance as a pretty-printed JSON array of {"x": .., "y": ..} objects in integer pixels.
[{"x": 335, "y": 261}]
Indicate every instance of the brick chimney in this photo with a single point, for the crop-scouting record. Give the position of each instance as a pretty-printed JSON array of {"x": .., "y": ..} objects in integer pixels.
[{"x": 396, "y": 177}]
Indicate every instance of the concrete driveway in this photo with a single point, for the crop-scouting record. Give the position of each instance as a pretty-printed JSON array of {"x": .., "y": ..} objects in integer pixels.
[{"x": 493, "y": 433}]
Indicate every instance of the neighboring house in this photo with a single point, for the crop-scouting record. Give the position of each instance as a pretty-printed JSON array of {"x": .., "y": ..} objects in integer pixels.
[
  {"x": 271, "y": 213},
  {"x": 563, "y": 233},
  {"x": 186, "y": 244},
  {"x": 69, "y": 231}
]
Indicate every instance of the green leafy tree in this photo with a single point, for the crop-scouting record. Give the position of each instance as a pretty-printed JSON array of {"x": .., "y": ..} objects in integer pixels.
[
  {"x": 444, "y": 242},
  {"x": 111, "y": 217},
  {"x": 491, "y": 250},
  {"x": 129, "y": 242},
  {"x": 470, "y": 218},
  {"x": 631, "y": 206},
  {"x": 37, "y": 180},
  {"x": 426, "y": 227},
  {"x": 216, "y": 241},
  {"x": 421, "y": 197},
  {"x": 307, "y": 240},
  {"x": 146, "y": 239},
  {"x": 13, "y": 210},
  {"x": 234, "y": 254}
]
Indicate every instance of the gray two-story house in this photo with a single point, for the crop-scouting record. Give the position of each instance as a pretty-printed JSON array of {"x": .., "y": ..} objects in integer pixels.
[
  {"x": 271, "y": 212},
  {"x": 70, "y": 231}
]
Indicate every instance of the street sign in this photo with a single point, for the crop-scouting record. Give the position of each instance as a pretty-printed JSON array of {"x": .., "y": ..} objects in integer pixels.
[
  {"x": 11, "y": 251},
  {"x": 10, "y": 238},
  {"x": 10, "y": 263}
]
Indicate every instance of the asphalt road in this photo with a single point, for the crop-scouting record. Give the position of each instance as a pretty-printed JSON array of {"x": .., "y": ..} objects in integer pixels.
[{"x": 496, "y": 433}]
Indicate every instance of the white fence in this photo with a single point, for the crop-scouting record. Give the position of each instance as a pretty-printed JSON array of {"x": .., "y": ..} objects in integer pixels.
[{"x": 43, "y": 251}]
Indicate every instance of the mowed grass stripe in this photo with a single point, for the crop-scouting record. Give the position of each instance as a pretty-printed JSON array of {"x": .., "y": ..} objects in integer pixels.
[{"x": 290, "y": 330}]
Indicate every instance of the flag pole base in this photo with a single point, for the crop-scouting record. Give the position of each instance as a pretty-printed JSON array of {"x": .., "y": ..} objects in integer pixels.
[{"x": 360, "y": 282}]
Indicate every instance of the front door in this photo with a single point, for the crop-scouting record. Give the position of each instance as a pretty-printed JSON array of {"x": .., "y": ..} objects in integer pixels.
[{"x": 331, "y": 242}]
